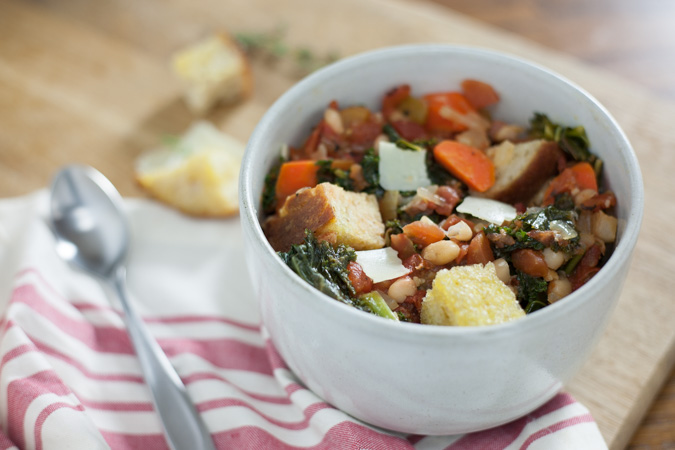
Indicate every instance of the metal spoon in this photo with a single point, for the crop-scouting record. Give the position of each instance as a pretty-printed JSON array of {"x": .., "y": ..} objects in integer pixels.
[{"x": 92, "y": 233}]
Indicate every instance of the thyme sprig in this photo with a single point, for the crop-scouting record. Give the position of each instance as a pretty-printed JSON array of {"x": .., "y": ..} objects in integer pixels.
[{"x": 271, "y": 47}]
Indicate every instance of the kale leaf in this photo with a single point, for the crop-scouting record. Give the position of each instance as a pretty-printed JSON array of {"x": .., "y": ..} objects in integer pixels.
[
  {"x": 323, "y": 266},
  {"x": 391, "y": 133},
  {"x": 326, "y": 173},
  {"x": 269, "y": 195},
  {"x": 437, "y": 173},
  {"x": 520, "y": 236},
  {"x": 541, "y": 219},
  {"x": 572, "y": 140},
  {"x": 326, "y": 268},
  {"x": 370, "y": 165},
  {"x": 532, "y": 292},
  {"x": 393, "y": 227},
  {"x": 538, "y": 219}
]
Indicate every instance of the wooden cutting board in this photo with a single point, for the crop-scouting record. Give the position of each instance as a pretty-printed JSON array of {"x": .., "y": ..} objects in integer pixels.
[{"x": 89, "y": 82}]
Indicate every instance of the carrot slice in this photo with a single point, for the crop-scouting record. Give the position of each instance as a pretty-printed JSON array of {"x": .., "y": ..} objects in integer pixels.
[
  {"x": 580, "y": 175},
  {"x": 479, "y": 94},
  {"x": 294, "y": 175},
  {"x": 442, "y": 107},
  {"x": 467, "y": 163}
]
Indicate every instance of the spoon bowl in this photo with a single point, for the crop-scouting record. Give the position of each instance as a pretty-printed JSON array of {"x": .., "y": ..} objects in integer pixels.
[{"x": 88, "y": 220}]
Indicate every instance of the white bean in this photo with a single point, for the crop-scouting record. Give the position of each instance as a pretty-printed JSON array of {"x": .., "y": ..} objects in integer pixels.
[
  {"x": 558, "y": 289},
  {"x": 441, "y": 252},
  {"x": 460, "y": 231},
  {"x": 604, "y": 226},
  {"x": 402, "y": 288},
  {"x": 502, "y": 269},
  {"x": 551, "y": 275},
  {"x": 553, "y": 259}
]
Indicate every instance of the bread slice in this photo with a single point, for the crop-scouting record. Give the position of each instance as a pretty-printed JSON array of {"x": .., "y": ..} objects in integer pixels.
[
  {"x": 521, "y": 169},
  {"x": 333, "y": 214},
  {"x": 214, "y": 71},
  {"x": 198, "y": 175}
]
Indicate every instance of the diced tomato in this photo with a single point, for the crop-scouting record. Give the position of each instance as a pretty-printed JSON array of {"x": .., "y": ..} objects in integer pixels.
[
  {"x": 454, "y": 219},
  {"x": 414, "y": 262},
  {"x": 587, "y": 267},
  {"x": 403, "y": 245},
  {"x": 530, "y": 261},
  {"x": 423, "y": 233},
  {"x": 580, "y": 176},
  {"x": 479, "y": 251},
  {"x": 312, "y": 141},
  {"x": 599, "y": 202},
  {"x": 362, "y": 283},
  {"x": 450, "y": 198},
  {"x": 393, "y": 98},
  {"x": 463, "y": 252},
  {"x": 409, "y": 130},
  {"x": 479, "y": 94},
  {"x": 362, "y": 135}
]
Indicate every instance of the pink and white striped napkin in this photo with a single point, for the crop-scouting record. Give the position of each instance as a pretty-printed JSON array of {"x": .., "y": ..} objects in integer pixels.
[{"x": 69, "y": 378}]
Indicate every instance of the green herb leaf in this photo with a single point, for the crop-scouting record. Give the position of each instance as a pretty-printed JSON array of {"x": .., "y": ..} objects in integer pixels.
[
  {"x": 270, "y": 46},
  {"x": 532, "y": 292},
  {"x": 572, "y": 141},
  {"x": 327, "y": 173},
  {"x": 269, "y": 195},
  {"x": 370, "y": 165}
]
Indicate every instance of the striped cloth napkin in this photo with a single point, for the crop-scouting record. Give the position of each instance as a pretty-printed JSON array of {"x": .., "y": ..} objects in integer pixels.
[{"x": 69, "y": 378}]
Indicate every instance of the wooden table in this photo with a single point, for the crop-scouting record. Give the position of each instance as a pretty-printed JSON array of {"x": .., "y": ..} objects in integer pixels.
[{"x": 88, "y": 82}]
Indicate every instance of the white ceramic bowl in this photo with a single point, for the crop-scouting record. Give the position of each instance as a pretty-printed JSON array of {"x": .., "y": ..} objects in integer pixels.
[{"x": 420, "y": 378}]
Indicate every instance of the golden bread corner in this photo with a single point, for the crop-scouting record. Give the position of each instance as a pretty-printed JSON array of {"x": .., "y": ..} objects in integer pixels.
[{"x": 333, "y": 214}]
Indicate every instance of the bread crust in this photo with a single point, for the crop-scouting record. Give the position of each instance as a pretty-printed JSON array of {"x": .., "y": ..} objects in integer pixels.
[{"x": 535, "y": 169}]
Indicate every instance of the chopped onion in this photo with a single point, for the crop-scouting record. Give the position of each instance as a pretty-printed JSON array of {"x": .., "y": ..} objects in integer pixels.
[
  {"x": 402, "y": 170},
  {"x": 381, "y": 264},
  {"x": 563, "y": 228},
  {"x": 487, "y": 209}
]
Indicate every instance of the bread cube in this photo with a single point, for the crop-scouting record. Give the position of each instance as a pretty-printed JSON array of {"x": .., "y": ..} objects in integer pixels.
[
  {"x": 521, "y": 169},
  {"x": 333, "y": 214},
  {"x": 469, "y": 296}
]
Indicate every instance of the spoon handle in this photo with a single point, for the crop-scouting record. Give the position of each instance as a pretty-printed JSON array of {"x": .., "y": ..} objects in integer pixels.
[{"x": 183, "y": 426}]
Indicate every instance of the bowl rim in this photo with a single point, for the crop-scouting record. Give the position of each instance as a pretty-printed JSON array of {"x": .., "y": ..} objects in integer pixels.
[{"x": 536, "y": 320}]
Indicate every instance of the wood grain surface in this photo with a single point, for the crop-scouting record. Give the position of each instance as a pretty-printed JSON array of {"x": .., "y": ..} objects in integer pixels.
[{"x": 89, "y": 82}]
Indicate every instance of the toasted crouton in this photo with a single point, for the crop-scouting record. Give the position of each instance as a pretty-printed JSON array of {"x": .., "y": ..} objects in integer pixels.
[
  {"x": 521, "y": 169},
  {"x": 214, "y": 70},
  {"x": 333, "y": 214},
  {"x": 469, "y": 296}
]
